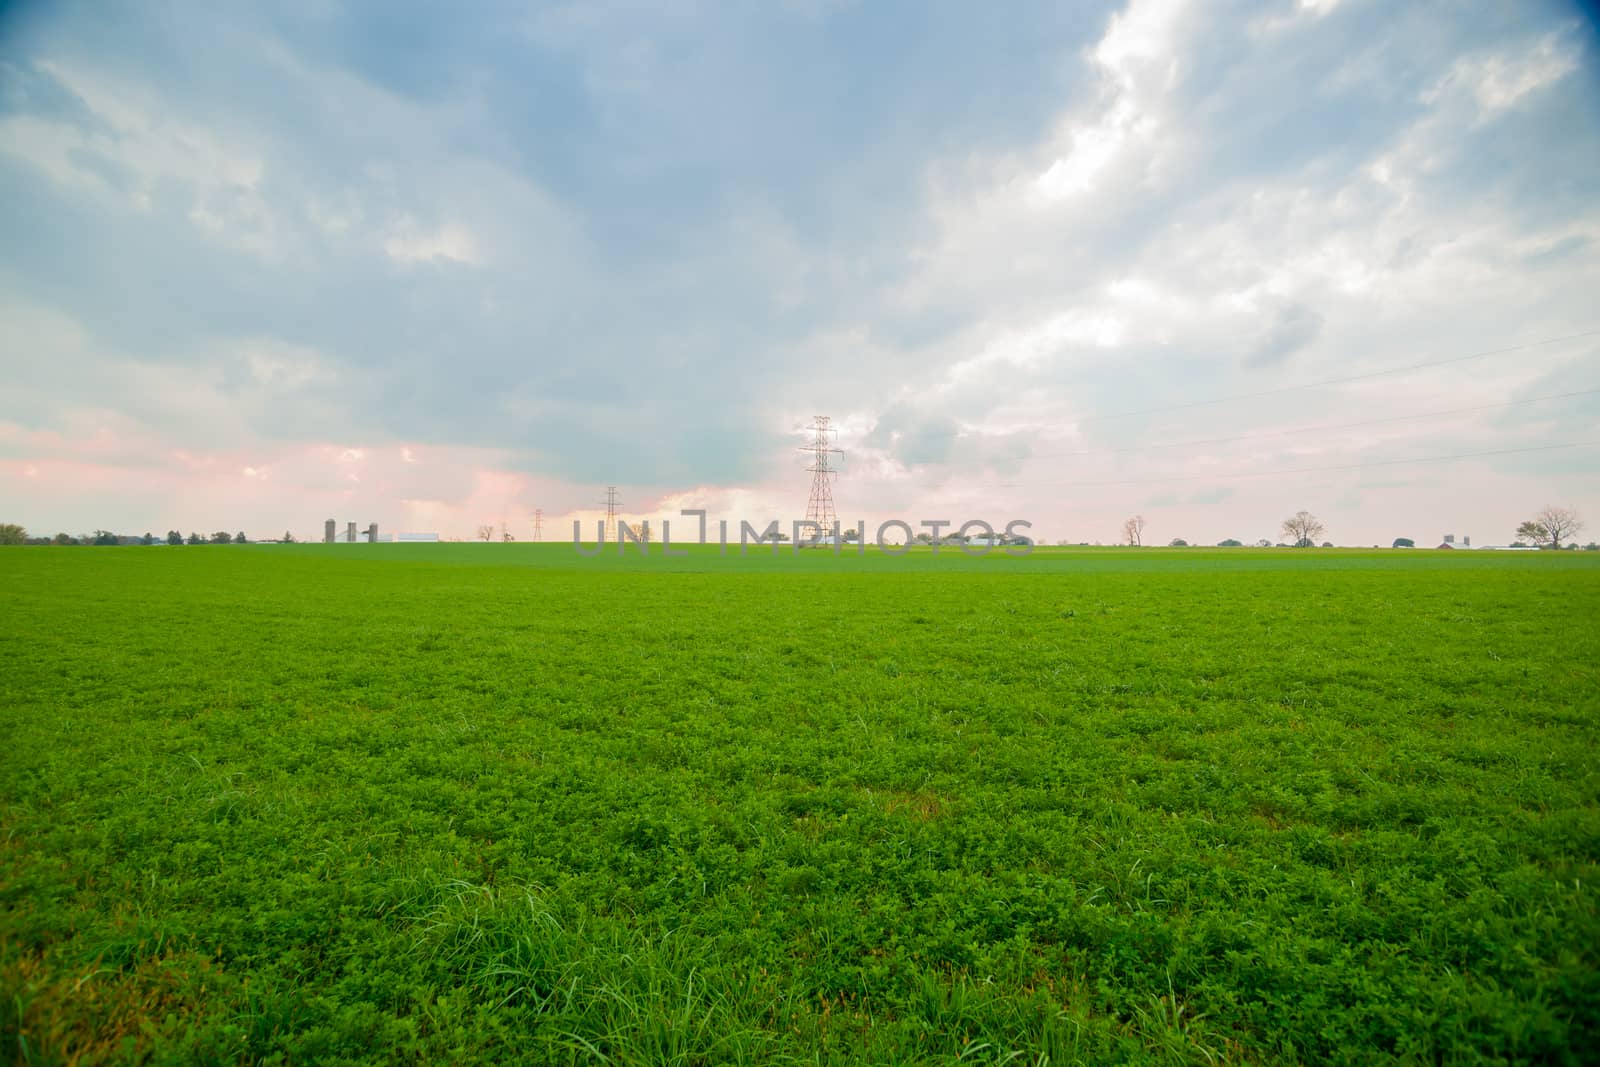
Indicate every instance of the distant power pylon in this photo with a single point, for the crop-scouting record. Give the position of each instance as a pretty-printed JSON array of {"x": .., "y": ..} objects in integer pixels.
[
  {"x": 611, "y": 510},
  {"x": 538, "y": 524},
  {"x": 819, "y": 509}
]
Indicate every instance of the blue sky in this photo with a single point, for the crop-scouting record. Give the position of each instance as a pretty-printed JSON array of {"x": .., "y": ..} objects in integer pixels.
[{"x": 440, "y": 266}]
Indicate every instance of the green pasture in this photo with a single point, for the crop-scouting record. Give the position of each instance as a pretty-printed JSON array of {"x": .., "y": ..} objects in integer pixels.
[{"x": 500, "y": 803}]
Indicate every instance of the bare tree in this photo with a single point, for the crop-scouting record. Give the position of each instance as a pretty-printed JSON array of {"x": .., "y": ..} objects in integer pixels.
[
  {"x": 1302, "y": 529},
  {"x": 1552, "y": 525},
  {"x": 486, "y": 533},
  {"x": 1133, "y": 531}
]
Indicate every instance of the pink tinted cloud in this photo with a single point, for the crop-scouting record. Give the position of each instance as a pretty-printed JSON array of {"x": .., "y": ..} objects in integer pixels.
[{"x": 61, "y": 481}]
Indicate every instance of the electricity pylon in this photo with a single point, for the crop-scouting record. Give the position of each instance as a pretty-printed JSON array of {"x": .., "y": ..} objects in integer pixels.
[
  {"x": 611, "y": 511},
  {"x": 819, "y": 508}
]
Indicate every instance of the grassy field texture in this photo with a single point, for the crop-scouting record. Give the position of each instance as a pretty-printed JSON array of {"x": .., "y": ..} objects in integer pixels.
[{"x": 497, "y": 803}]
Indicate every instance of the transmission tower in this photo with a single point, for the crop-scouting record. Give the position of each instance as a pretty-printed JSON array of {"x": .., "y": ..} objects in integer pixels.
[
  {"x": 538, "y": 524},
  {"x": 819, "y": 509},
  {"x": 611, "y": 510}
]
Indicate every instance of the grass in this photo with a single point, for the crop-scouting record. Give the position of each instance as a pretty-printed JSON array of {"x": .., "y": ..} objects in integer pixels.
[{"x": 480, "y": 803}]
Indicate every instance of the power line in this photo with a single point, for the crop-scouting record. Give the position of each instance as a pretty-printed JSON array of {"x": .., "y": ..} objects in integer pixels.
[
  {"x": 1324, "y": 383},
  {"x": 1343, "y": 381},
  {"x": 1294, "y": 429},
  {"x": 1295, "y": 470}
]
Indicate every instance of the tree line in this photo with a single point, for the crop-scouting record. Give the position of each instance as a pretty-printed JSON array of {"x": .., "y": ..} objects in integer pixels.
[
  {"x": 13, "y": 534},
  {"x": 1552, "y": 528}
]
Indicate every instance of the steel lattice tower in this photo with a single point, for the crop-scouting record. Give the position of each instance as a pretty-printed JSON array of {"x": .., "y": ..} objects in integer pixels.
[
  {"x": 538, "y": 524},
  {"x": 819, "y": 509},
  {"x": 611, "y": 509}
]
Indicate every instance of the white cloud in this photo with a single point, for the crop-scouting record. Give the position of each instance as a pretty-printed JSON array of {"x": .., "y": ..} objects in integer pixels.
[
  {"x": 1138, "y": 64},
  {"x": 278, "y": 365},
  {"x": 1498, "y": 81},
  {"x": 410, "y": 243},
  {"x": 1043, "y": 342},
  {"x": 1305, "y": 13}
]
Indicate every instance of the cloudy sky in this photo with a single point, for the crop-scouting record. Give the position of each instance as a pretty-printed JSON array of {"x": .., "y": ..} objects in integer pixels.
[{"x": 439, "y": 265}]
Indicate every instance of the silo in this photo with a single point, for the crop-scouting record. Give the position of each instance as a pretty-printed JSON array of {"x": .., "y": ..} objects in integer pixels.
[
  {"x": 350, "y": 533},
  {"x": 327, "y": 532}
]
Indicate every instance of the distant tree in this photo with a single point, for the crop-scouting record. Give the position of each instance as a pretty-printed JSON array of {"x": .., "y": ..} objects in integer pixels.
[
  {"x": 12, "y": 534},
  {"x": 1263, "y": 543},
  {"x": 148, "y": 538},
  {"x": 1133, "y": 531},
  {"x": 1591, "y": 547},
  {"x": 288, "y": 538},
  {"x": 506, "y": 534},
  {"x": 63, "y": 539},
  {"x": 104, "y": 537},
  {"x": 194, "y": 539},
  {"x": 486, "y": 533},
  {"x": 238, "y": 538},
  {"x": 850, "y": 536},
  {"x": 222, "y": 537},
  {"x": 1404, "y": 542},
  {"x": 1302, "y": 529},
  {"x": 1551, "y": 526},
  {"x": 1230, "y": 543},
  {"x": 174, "y": 537},
  {"x": 1329, "y": 544},
  {"x": 1177, "y": 542}
]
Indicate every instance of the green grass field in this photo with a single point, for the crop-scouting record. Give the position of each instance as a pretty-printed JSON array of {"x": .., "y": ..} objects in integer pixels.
[{"x": 497, "y": 803}]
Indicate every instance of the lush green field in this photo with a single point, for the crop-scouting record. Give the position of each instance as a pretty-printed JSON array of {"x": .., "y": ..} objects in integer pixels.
[{"x": 498, "y": 803}]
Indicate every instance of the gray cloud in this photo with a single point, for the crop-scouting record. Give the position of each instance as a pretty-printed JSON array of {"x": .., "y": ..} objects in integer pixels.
[{"x": 1293, "y": 328}]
